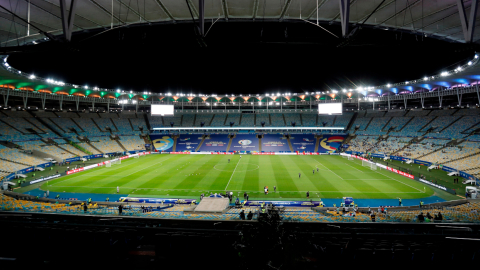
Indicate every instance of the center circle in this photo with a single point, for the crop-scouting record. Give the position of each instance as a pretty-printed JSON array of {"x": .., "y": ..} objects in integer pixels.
[{"x": 230, "y": 167}]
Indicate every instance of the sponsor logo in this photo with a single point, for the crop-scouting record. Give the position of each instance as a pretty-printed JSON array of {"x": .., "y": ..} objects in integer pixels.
[
  {"x": 245, "y": 142},
  {"x": 45, "y": 179}
]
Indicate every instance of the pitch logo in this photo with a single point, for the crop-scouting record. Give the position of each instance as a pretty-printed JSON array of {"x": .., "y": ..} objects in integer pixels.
[
  {"x": 163, "y": 143},
  {"x": 244, "y": 142}
]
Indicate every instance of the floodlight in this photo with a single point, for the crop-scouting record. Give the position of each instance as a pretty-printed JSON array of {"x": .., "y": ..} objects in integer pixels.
[{"x": 32, "y": 76}]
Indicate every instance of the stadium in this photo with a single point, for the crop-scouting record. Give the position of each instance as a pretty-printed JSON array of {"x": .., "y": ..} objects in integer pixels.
[{"x": 374, "y": 160}]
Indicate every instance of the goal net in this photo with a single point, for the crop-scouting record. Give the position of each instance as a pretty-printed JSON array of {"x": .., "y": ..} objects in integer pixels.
[
  {"x": 350, "y": 158},
  {"x": 345, "y": 156},
  {"x": 371, "y": 165},
  {"x": 108, "y": 165},
  {"x": 137, "y": 156}
]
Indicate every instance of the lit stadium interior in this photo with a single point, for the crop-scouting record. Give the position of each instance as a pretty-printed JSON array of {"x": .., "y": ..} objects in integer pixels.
[{"x": 270, "y": 134}]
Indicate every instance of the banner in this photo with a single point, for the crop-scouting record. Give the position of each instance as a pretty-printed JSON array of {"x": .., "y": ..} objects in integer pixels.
[
  {"x": 222, "y": 153},
  {"x": 162, "y": 142},
  {"x": 156, "y": 200},
  {"x": 180, "y": 153},
  {"x": 285, "y": 203},
  {"x": 421, "y": 162},
  {"x": 72, "y": 159},
  {"x": 263, "y": 153},
  {"x": 44, "y": 179},
  {"x": 306, "y": 154},
  {"x": 75, "y": 171}
]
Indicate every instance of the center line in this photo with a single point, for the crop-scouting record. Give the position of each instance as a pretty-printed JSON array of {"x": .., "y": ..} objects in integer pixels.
[{"x": 233, "y": 173}]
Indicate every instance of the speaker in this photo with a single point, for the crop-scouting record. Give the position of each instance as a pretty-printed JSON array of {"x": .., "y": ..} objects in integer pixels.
[
  {"x": 231, "y": 124},
  {"x": 293, "y": 124},
  {"x": 324, "y": 123},
  {"x": 263, "y": 123},
  {"x": 171, "y": 124},
  {"x": 202, "y": 124}
]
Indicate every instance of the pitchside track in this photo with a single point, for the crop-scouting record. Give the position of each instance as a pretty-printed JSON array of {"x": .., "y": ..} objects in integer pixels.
[{"x": 191, "y": 175}]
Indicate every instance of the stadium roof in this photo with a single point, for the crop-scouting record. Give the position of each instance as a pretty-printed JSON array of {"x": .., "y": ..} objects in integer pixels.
[
  {"x": 465, "y": 75},
  {"x": 434, "y": 18}
]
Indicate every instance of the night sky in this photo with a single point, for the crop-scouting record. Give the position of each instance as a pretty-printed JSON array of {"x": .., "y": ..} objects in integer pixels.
[{"x": 240, "y": 57}]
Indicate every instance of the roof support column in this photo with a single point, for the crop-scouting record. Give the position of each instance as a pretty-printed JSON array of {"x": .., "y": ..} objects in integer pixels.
[
  {"x": 93, "y": 104},
  {"x": 459, "y": 97},
  {"x": 43, "y": 100},
  {"x": 405, "y": 101},
  {"x": 61, "y": 102},
  {"x": 422, "y": 100},
  {"x": 25, "y": 100},
  {"x": 478, "y": 95},
  {"x": 388, "y": 100},
  {"x": 440, "y": 99},
  {"x": 345, "y": 15},
  {"x": 468, "y": 26},
  {"x": 108, "y": 105},
  {"x": 5, "y": 97},
  {"x": 67, "y": 22},
  {"x": 201, "y": 17}
]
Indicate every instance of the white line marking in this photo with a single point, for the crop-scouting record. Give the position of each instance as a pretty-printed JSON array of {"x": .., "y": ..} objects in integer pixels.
[
  {"x": 329, "y": 169},
  {"x": 354, "y": 167},
  {"x": 233, "y": 173},
  {"x": 421, "y": 191},
  {"x": 55, "y": 184}
]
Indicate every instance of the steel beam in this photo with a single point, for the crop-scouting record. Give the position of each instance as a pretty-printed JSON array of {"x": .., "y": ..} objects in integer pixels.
[
  {"x": 255, "y": 9},
  {"x": 106, "y": 11},
  {"x": 344, "y": 15},
  {"x": 315, "y": 10},
  {"x": 194, "y": 10},
  {"x": 162, "y": 6},
  {"x": 285, "y": 9},
  {"x": 225, "y": 9},
  {"x": 468, "y": 26},
  {"x": 67, "y": 20},
  {"x": 201, "y": 16}
]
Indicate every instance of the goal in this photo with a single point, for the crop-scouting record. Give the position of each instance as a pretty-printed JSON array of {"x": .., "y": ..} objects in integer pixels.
[
  {"x": 108, "y": 165},
  {"x": 137, "y": 156},
  {"x": 372, "y": 165},
  {"x": 350, "y": 158}
]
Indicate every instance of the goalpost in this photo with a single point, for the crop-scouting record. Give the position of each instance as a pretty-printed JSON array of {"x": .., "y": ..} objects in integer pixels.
[
  {"x": 350, "y": 158},
  {"x": 371, "y": 165},
  {"x": 137, "y": 156}
]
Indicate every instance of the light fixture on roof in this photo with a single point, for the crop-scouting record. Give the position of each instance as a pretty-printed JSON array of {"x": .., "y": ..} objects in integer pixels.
[
  {"x": 32, "y": 77},
  {"x": 443, "y": 74},
  {"x": 388, "y": 85},
  {"x": 425, "y": 79},
  {"x": 469, "y": 63}
]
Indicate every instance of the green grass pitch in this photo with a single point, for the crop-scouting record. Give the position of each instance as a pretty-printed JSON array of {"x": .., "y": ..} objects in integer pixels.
[{"x": 190, "y": 175}]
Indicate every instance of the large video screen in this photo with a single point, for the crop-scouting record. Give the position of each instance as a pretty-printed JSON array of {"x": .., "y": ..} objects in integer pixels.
[
  {"x": 330, "y": 108},
  {"x": 162, "y": 110}
]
